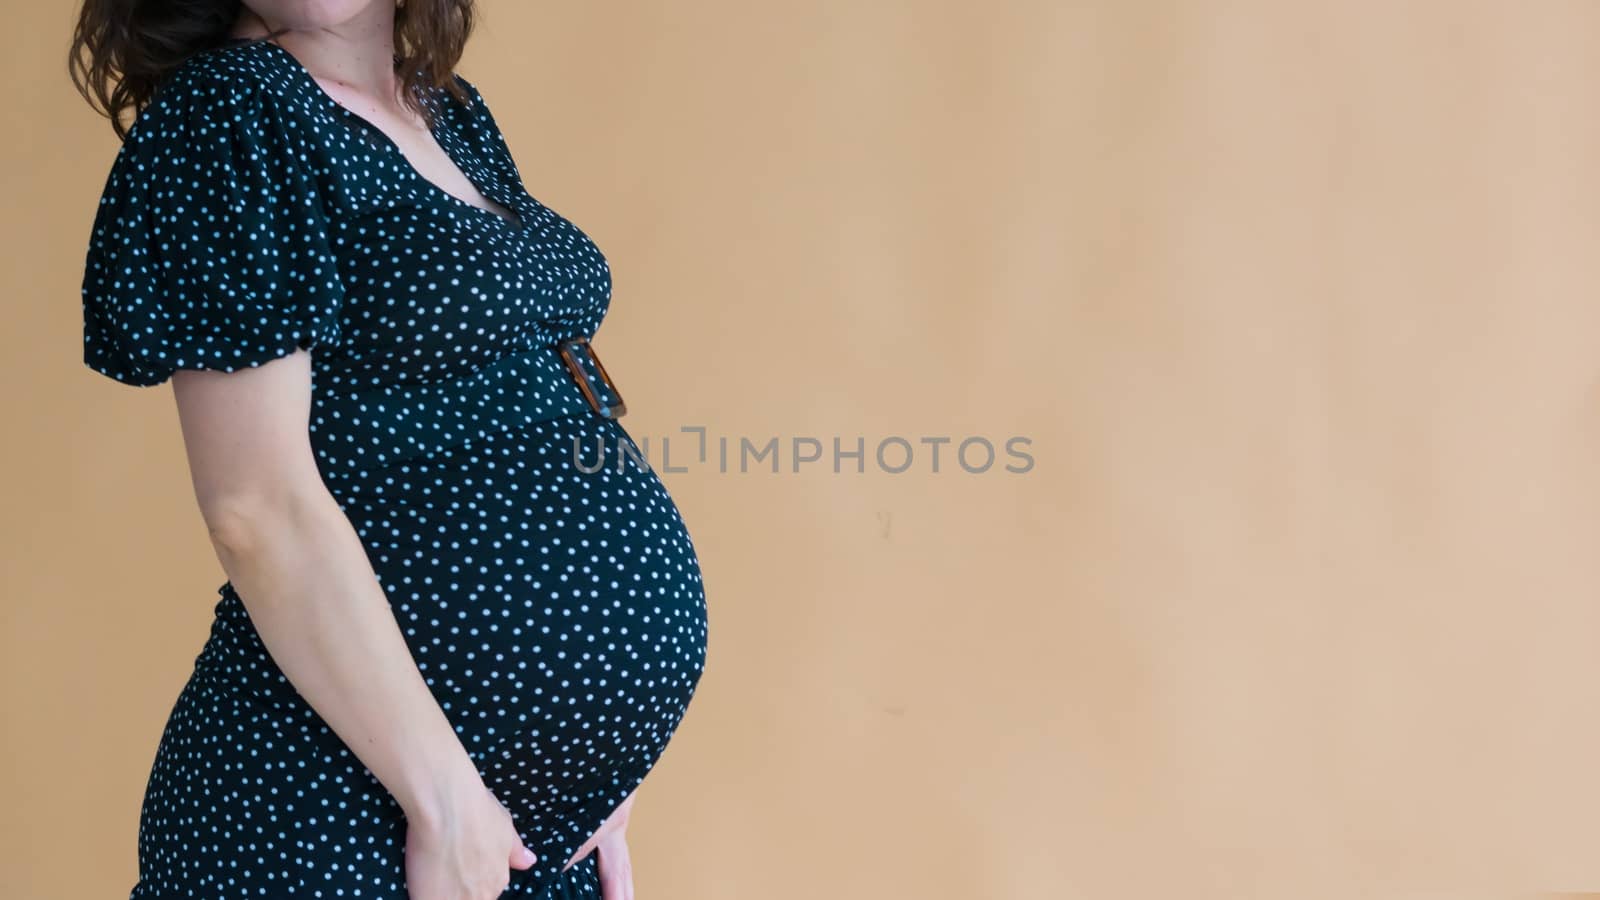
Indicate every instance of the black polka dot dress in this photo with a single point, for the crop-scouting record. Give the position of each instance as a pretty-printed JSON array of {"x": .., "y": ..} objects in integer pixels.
[{"x": 540, "y": 573}]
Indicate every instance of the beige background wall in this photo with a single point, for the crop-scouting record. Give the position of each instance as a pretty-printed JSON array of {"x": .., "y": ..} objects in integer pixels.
[{"x": 1296, "y": 301}]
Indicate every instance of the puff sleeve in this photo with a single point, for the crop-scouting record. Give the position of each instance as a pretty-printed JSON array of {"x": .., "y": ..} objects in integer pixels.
[{"x": 211, "y": 245}]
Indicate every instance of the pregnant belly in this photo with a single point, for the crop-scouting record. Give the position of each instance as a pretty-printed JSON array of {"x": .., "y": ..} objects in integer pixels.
[
  {"x": 556, "y": 614},
  {"x": 533, "y": 592}
]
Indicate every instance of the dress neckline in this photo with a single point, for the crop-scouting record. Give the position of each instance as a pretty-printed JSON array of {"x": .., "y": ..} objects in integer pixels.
[{"x": 436, "y": 130}]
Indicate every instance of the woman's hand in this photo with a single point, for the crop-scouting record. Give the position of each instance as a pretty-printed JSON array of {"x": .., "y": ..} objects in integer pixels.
[
  {"x": 616, "y": 869},
  {"x": 611, "y": 843},
  {"x": 464, "y": 853}
]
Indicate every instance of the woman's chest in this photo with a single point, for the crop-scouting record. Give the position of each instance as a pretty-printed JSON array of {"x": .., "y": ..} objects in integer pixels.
[{"x": 436, "y": 286}]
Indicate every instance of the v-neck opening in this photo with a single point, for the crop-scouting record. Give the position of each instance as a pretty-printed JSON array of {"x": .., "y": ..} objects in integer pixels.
[{"x": 434, "y": 127}]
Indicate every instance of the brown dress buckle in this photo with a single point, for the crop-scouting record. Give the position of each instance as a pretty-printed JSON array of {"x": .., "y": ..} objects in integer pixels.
[{"x": 585, "y": 368}]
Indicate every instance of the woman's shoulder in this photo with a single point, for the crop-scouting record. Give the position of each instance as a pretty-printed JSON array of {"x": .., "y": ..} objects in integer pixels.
[
  {"x": 216, "y": 89},
  {"x": 212, "y": 245},
  {"x": 473, "y": 109},
  {"x": 483, "y": 129},
  {"x": 475, "y": 97}
]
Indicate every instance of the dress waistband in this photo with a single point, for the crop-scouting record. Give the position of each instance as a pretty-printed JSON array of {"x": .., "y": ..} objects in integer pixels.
[{"x": 372, "y": 429}]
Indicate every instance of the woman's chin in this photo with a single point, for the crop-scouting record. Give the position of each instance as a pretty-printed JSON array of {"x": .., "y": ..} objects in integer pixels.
[{"x": 301, "y": 15}]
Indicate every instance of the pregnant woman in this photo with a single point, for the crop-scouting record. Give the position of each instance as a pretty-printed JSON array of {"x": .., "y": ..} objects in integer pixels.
[{"x": 450, "y": 647}]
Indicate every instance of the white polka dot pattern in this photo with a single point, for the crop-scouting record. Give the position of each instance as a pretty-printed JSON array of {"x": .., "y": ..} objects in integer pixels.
[{"x": 557, "y": 615}]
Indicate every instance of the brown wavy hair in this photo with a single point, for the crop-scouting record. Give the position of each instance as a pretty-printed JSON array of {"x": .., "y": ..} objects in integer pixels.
[{"x": 123, "y": 50}]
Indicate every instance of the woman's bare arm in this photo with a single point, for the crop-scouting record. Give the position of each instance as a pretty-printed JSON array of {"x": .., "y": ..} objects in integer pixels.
[{"x": 304, "y": 577}]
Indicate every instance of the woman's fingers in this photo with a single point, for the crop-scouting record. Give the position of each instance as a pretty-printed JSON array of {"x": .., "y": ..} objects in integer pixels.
[
  {"x": 522, "y": 856},
  {"x": 615, "y": 867},
  {"x": 613, "y": 825}
]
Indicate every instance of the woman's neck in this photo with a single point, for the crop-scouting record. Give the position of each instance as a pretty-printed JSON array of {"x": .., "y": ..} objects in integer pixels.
[{"x": 358, "y": 52}]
